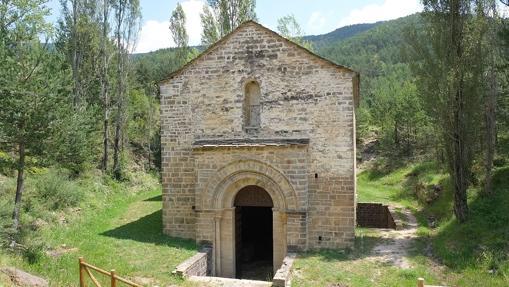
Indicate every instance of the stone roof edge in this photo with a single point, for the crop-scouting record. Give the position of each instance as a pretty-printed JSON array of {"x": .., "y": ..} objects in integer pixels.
[{"x": 228, "y": 36}]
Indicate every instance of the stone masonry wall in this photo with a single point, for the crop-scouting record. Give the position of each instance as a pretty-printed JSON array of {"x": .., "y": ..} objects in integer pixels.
[
  {"x": 292, "y": 161},
  {"x": 302, "y": 96},
  {"x": 198, "y": 265},
  {"x": 374, "y": 215}
]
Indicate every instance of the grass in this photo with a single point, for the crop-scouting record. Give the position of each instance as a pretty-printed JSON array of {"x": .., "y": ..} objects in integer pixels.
[
  {"x": 118, "y": 225},
  {"x": 351, "y": 268},
  {"x": 112, "y": 230},
  {"x": 396, "y": 185},
  {"x": 475, "y": 253}
]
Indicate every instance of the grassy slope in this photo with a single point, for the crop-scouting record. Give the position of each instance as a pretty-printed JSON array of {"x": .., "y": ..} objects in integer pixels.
[
  {"x": 328, "y": 267},
  {"x": 463, "y": 254},
  {"x": 121, "y": 231}
]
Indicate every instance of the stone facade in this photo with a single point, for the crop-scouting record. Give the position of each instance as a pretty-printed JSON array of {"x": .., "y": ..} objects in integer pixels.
[{"x": 297, "y": 143}]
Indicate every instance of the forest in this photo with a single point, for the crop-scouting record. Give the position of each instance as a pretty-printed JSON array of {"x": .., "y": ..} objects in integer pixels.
[{"x": 79, "y": 110}]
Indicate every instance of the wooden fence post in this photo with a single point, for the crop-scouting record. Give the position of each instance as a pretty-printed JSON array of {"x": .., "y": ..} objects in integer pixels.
[
  {"x": 82, "y": 276},
  {"x": 113, "y": 280},
  {"x": 420, "y": 282}
]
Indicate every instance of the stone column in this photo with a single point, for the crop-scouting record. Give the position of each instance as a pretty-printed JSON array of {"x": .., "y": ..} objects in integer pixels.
[
  {"x": 216, "y": 268},
  {"x": 279, "y": 220},
  {"x": 227, "y": 243}
]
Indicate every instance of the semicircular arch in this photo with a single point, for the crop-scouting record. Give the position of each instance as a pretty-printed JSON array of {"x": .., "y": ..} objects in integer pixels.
[{"x": 221, "y": 189}]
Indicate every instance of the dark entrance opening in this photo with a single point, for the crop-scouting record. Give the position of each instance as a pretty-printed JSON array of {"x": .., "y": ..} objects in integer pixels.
[{"x": 253, "y": 234}]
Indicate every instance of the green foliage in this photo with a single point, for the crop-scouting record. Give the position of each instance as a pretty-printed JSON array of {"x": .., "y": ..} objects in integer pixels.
[
  {"x": 340, "y": 34},
  {"x": 481, "y": 243},
  {"x": 389, "y": 109},
  {"x": 179, "y": 33},
  {"x": 34, "y": 82},
  {"x": 221, "y": 17},
  {"x": 289, "y": 28},
  {"x": 75, "y": 141},
  {"x": 397, "y": 109},
  {"x": 144, "y": 122},
  {"x": 33, "y": 252},
  {"x": 120, "y": 217},
  {"x": 78, "y": 38},
  {"x": 55, "y": 191}
]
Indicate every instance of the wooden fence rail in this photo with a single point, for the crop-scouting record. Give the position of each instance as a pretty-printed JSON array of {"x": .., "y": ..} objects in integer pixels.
[
  {"x": 420, "y": 283},
  {"x": 85, "y": 269}
]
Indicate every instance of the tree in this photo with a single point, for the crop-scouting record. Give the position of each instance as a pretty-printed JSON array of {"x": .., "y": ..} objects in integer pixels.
[
  {"x": 450, "y": 82},
  {"x": 503, "y": 100},
  {"x": 104, "y": 79},
  {"x": 127, "y": 17},
  {"x": 78, "y": 38},
  {"x": 289, "y": 28},
  {"x": 488, "y": 22},
  {"x": 32, "y": 82},
  {"x": 221, "y": 17},
  {"x": 179, "y": 33},
  {"x": 397, "y": 110}
]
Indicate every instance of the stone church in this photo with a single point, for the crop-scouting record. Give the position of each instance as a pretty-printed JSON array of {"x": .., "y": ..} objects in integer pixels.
[{"x": 258, "y": 151}]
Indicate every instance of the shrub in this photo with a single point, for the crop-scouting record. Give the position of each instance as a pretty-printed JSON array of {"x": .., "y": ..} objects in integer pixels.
[
  {"x": 55, "y": 191},
  {"x": 33, "y": 251}
]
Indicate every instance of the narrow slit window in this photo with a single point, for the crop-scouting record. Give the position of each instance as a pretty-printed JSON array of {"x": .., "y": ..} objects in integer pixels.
[{"x": 252, "y": 105}]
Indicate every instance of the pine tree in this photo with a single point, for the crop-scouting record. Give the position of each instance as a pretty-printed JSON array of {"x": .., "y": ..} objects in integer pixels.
[{"x": 32, "y": 86}]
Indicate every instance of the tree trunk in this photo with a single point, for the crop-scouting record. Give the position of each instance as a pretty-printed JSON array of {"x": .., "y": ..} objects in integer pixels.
[
  {"x": 19, "y": 187},
  {"x": 490, "y": 137},
  {"x": 117, "y": 172},
  {"x": 396, "y": 133},
  {"x": 459, "y": 156},
  {"x": 75, "y": 61},
  {"x": 459, "y": 153},
  {"x": 104, "y": 87}
]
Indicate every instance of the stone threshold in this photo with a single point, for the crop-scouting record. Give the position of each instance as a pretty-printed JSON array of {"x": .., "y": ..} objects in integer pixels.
[{"x": 228, "y": 282}]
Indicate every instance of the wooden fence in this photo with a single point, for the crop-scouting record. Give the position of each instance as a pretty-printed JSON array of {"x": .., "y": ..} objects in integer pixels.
[
  {"x": 420, "y": 283},
  {"x": 85, "y": 269}
]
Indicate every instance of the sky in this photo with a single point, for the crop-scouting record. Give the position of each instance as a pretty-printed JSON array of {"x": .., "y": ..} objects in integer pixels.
[{"x": 314, "y": 16}]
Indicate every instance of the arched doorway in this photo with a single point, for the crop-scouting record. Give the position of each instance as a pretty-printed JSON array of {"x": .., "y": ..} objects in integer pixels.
[
  {"x": 219, "y": 196},
  {"x": 253, "y": 233}
]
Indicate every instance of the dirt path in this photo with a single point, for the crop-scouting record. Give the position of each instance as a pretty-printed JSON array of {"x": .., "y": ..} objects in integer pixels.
[{"x": 395, "y": 245}]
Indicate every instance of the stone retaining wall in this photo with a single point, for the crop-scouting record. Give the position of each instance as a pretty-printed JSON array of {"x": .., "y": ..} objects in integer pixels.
[
  {"x": 374, "y": 215},
  {"x": 283, "y": 274},
  {"x": 198, "y": 265}
]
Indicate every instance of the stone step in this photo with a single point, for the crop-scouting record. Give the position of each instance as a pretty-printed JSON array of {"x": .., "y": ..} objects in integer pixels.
[{"x": 227, "y": 282}]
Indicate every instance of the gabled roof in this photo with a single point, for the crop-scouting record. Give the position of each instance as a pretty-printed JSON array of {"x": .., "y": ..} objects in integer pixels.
[{"x": 250, "y": 22}]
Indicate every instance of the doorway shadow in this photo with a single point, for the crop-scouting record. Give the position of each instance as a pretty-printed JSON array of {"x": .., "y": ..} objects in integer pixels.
[{"x": 149, "y": 229}]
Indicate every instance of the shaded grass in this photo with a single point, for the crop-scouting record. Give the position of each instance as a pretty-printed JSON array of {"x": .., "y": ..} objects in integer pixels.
[
  {"x": 126, "y": 235},
  {"x": 482, "y": 243}
]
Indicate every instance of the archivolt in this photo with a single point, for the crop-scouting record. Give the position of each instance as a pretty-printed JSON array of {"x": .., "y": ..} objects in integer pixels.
[{"x": 221, "y": 189}]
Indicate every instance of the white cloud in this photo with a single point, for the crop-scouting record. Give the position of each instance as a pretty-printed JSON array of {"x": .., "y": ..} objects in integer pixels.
[
  {"x": 504, "y": 10},
  {"x": 389, "y": 9},
  {"x": 316, "y": 23},
  {"x": 156, "y": 34},
  {"x": 193, "y": 9}
]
